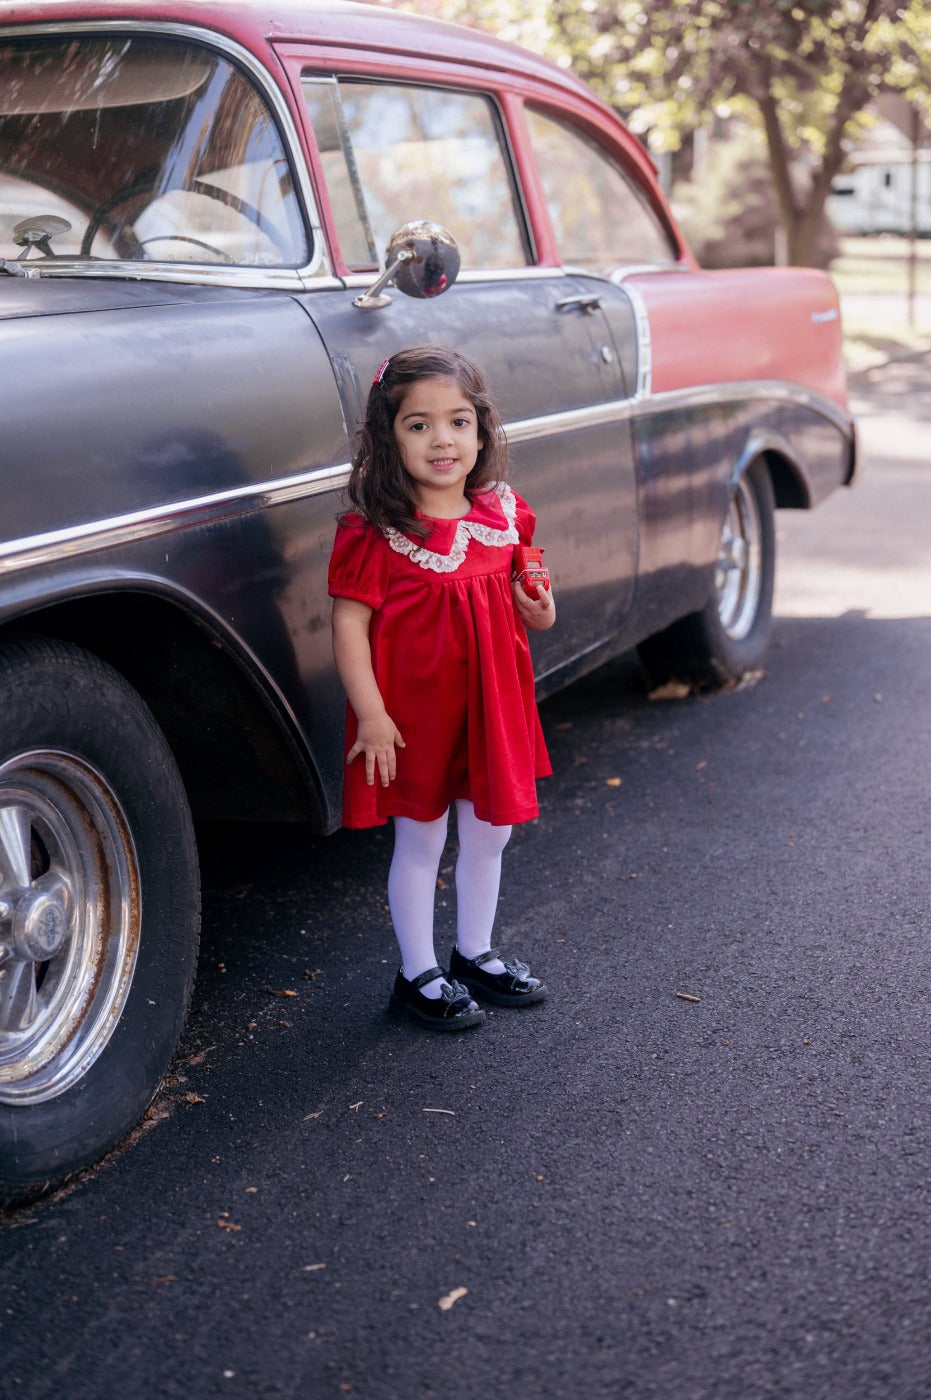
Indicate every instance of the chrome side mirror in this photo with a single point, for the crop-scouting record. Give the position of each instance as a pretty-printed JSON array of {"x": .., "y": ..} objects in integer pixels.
[{"x": 422, "y": 260}]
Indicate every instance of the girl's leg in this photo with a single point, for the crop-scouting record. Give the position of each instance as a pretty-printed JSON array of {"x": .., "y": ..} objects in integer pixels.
[
  {"x": 478, "y": 878},
  {"x": 415, "y": 864}
]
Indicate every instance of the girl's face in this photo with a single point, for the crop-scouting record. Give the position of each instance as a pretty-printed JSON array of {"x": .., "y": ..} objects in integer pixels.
[{"x": 436, "y": 430}]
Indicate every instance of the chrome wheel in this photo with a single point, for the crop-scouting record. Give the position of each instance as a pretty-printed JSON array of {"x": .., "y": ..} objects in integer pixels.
[
  {"x": 727, "y": 637},
  {"x": 738, "y": 575},
  {"x": 69, "y": 922}
]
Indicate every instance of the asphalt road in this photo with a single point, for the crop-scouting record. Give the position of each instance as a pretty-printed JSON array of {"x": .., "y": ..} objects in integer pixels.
[{"x": 623, "y": 1192}]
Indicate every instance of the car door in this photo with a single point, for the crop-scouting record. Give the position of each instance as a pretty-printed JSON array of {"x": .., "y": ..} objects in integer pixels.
[{"x": 392, "y": 151}]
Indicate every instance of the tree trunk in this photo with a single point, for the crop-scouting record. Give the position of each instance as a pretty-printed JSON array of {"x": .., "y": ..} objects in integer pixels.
[
  {"x": 802, "y": 220},
  {"x": 802, "y": 237}
]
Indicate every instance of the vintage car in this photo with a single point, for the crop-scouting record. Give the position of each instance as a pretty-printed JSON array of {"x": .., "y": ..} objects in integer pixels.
[{"x": 202, "y": 204}]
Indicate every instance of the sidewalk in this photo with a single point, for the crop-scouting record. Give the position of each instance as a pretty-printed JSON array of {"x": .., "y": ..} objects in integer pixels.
[
  {"x": 877, "y": 328},
  {"x": 879, "y": 322}
]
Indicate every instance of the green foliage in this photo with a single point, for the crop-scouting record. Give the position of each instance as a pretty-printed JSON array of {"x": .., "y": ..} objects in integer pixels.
[
  {"x": 728, "y": 212},
  {"x": 804, "y": 72}
]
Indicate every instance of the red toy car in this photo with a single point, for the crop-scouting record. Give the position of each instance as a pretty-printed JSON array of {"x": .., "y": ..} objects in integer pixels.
[{"x": 529, "y": 569}]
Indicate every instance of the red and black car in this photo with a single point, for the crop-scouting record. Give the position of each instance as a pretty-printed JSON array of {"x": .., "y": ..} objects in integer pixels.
[{"x": 216, "y": 220}]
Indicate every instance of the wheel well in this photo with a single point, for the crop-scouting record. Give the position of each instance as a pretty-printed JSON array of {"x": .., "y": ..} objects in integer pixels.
[
  {"x": 235, "y": 758},
  {"x": 789, "y": 487}
]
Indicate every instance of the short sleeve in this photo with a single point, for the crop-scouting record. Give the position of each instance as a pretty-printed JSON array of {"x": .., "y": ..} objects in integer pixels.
[
  {"x": 360, "y": 563},
  {"x": 525, "y": 521}
]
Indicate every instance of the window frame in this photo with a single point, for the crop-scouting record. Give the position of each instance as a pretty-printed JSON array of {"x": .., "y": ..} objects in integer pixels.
[
  {"x": 648, "y": 191},
  {"x": 275, "y": 98},
  {"x": 500, "y": 126}
]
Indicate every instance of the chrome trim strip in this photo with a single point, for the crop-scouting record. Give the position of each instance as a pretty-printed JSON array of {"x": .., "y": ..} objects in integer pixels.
[
  {"x": 756, "y": 391},
  {"x": 56, "y": 546},
  {"x": 288, "y": 279},
  {"x": 187, "y": 272},
  {"x": 571, "y": 420},
  {"x": 620, "y": 274},
  {"x": 643, "y": 405},
  {"x": 644, "y": 342},
  {"x": 477, "y": 275},
  {"x": 523, "y": 273}
]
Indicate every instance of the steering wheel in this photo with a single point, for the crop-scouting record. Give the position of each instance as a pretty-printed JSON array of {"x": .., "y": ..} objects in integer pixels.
[
  {"x": 146, "y": 186},
  {"x": 233, "y": 201},
  {"x": 185, "y": 238},
  {"x": 103, "y": 211}
]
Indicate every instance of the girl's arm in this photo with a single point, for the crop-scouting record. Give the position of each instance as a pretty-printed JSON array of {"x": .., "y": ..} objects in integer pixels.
[
  {"x": 537, "y": 614},
  {"x": 377, "y": 735}
]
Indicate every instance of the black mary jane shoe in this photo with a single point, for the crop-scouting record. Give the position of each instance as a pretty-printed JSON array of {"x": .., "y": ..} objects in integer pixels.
[
  {"x": 452, "y": 1010},
  {"x": 513, "y": 987}
]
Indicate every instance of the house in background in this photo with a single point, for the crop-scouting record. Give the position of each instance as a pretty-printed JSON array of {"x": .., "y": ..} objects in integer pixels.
[{"x": 887, "y": 188}]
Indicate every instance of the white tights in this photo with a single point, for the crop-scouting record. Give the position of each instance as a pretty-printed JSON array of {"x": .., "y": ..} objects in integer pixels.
[{"x": 418, "y": 847}]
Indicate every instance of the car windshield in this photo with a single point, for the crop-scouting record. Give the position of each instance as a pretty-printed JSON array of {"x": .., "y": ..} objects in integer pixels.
[{"x": 140, "y": 149}]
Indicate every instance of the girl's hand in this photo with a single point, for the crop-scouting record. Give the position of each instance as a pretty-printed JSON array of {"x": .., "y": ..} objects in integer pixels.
[
  {"x": 376, "y": 734},
  {"x": 537, "y": 614},
  {"x": 377, "y": 738}
]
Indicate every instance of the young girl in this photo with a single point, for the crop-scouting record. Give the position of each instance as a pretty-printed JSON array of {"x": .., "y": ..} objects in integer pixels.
[{"x": 430, "y": 644}]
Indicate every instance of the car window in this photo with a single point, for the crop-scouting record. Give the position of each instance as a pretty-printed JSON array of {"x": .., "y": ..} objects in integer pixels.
[
  {"x": 599, "y": 216},
  {"x": 149, "y": 149},
  {"x": 393, "y": 153}
]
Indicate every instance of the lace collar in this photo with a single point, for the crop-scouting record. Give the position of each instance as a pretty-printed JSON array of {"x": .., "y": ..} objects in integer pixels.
[{"x": 473, "y": 526}]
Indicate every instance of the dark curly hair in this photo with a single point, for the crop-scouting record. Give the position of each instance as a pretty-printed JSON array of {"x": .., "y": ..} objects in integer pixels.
[{"x": 379, "y": 487}]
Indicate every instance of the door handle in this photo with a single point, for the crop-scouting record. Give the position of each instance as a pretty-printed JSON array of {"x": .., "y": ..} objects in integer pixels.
[{"x": 587, "y": 304}]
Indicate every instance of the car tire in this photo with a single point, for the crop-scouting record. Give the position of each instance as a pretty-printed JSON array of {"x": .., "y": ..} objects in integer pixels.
[
  {"x": 729, "y": 636},
  {"x": 99, "y": 911}
]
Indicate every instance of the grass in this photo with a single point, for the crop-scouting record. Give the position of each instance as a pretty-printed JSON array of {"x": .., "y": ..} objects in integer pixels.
[{"x": 880, "y": 320}]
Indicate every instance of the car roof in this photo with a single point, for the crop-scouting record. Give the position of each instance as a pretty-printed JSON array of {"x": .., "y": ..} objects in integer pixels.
[{"x": 256, "y": 24}]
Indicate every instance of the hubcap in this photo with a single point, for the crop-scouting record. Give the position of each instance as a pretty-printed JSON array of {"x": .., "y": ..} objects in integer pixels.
[
  {"x": 69, "y": 922},
  {"x": 738, "y": 576}
]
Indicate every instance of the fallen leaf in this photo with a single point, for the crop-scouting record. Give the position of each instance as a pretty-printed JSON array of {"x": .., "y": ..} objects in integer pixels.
[
  {"x": 672, "y": 690},
  {"x": 449, "y": 1299},
  {"x": 194, "y": 1098}
]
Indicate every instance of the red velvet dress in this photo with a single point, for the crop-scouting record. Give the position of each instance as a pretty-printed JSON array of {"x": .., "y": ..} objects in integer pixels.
[{"x": 452, "y": 662}]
